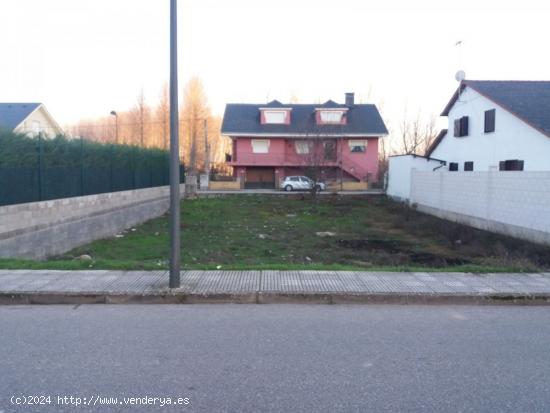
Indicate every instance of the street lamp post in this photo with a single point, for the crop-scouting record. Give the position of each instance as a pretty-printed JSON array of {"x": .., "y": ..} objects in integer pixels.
[
  {"x": 206, "y": 149},
  {"x": 113, "y": 113},
  {"x": 175, "y": 253}
]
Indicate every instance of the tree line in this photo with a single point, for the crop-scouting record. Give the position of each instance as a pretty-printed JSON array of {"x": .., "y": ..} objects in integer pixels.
[{"x": 148, "y": 126}]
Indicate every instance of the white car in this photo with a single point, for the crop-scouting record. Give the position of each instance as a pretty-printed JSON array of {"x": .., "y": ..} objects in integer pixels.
[{"x": 301, "y": 183}]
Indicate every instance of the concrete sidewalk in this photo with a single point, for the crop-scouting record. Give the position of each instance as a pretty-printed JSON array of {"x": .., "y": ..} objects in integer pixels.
[{"x": 329, "y": 287}]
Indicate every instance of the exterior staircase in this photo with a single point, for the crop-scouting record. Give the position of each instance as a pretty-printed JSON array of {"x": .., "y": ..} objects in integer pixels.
[{"x": 355, "y": 169}]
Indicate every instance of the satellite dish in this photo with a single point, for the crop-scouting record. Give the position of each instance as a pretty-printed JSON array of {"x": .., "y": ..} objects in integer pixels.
[{"x": 460, "y": 76}]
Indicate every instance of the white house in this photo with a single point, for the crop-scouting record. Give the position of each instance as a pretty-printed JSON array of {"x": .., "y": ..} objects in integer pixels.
[
  {"x": 496, "y": 125},
  {"x": 29, "y": 119}
]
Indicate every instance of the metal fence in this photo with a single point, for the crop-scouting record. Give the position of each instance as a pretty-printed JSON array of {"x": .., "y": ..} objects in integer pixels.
[{"x": 43, "y": 178}]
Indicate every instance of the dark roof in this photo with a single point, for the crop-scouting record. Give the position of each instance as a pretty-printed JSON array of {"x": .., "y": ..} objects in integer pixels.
[
  {"x": 330, "y": 104},
  {"x": 12, "y": 114},
  {"x": 362, "y": 119},
  {"x": 528, "y": 100},
  {"x": 274, "y": 104},
  {"x": 436, "y": 142}
]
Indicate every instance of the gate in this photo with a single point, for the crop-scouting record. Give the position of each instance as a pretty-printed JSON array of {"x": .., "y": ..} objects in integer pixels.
[{"x": 260, "y": 178}]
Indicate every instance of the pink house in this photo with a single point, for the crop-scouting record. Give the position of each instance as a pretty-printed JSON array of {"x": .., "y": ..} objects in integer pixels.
[{"x": 330, "y": 140}]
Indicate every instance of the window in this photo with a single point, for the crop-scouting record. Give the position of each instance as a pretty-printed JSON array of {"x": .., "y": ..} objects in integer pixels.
[
  {"x": 453, "y": 166},
  {"x": 468, "y": 166},
  {"x": 331, "y": 116},
  {"x": 294, "y": 179},
  {"x": 461, "y": 127},
  {"x": 330, "y": 151},
  {"x": 489, "y": 121},
  {"x": 511, "y": 165},
  {"x": 302, "y": 147},
  {"x": 260, "y": 145},
  {"x": 275, "y": 116},
  {"x": 357, "y": 146}
]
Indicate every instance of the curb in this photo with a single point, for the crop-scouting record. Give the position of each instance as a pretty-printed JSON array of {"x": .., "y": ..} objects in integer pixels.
[{"x": 52, "y": 298}]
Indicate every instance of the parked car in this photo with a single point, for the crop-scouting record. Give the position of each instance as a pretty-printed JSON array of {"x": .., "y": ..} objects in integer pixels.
[{"x": 301, "y": 183}]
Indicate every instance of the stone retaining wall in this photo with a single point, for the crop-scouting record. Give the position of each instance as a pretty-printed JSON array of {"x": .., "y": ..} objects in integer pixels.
[{"x": 39, "y": 230}]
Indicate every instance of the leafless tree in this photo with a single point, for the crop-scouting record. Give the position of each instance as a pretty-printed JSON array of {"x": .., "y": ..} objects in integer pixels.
[
  {"x": 163, "y": 118},
  {"x": 417, "y": 134},
  {"x": 312, "y": 149},
  {"x": 140, "y": 115},
  {"x": 293, "y": 98},
  {"x": 319, "y": 152},
  {"x": 194, "y": 111},
  {"x": 219, "y": 145},
  {"x": 430, "y": 133},
  {"x": 384, "y": 144}
]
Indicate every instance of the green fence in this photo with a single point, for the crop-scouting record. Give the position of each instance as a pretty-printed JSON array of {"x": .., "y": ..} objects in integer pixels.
[{"x": 36, "y": 169}]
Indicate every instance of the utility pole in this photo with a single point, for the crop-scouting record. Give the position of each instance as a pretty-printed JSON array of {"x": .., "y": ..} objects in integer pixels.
[
  {"x": 81, "y": 166},
  {"x": 175, "y": 252},
  {"x": 113, "y": 113}
]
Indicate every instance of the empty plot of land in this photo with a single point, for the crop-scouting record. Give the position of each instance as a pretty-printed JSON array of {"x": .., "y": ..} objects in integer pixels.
[{"x": 331, "y": 232}]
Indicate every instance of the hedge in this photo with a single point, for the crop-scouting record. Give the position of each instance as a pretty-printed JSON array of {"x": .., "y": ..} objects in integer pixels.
[{"x": 35, "y": 169}]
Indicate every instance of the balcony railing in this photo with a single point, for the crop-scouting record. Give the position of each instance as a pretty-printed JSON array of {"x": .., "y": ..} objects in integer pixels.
[{"x": 260, "y": 159}]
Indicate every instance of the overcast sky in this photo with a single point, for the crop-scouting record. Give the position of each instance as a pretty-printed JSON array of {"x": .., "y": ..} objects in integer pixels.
[{"x": 84, "y": 58}]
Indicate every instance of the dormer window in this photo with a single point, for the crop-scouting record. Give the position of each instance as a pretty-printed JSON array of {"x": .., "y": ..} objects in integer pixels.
[
  {"x": 331, "y": 116},
  {"x": 275, "y": 116}
]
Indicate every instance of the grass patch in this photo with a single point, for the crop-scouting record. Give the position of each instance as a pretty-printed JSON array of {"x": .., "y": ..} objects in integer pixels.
[{"x": 261, "y": 232}]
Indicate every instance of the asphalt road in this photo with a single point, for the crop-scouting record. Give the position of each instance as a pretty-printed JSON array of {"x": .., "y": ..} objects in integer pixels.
[{"x": 285, "y": 358}]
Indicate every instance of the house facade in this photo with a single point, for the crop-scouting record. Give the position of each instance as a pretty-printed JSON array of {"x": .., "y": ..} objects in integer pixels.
[
  {"x": 29, "y": 119},
  {"x": 330, "y": 141},
  {"x": 496, "y": 125}
]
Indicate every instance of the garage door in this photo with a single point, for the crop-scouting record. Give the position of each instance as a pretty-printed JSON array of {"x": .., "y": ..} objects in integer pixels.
[{"x": 260, "y": 178}]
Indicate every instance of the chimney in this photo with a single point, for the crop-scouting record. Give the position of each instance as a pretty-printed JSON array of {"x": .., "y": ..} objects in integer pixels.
[{"x": 350, "y": 99}]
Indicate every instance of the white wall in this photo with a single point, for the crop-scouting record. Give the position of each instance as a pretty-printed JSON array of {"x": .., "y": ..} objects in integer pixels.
[
  {"x": 47, "y": 125},
  {"x": 512, "y": 203},
  {"x": 399, "y": 173},
  {"x": 512, "y": 139}
]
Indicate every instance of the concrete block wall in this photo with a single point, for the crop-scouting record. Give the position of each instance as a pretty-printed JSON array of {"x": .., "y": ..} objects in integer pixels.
[
  {"x": 39, "y": 230},
  {"x": 508, "y": 202}
]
